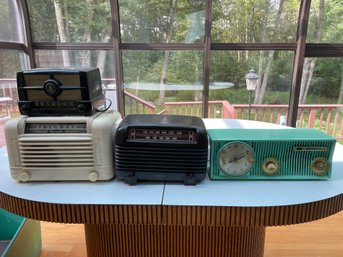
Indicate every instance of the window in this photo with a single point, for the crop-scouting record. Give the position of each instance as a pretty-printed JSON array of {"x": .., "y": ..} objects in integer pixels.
[
  {"x": 187, "y": 56},
  {"x": 254, "y": 21},
  {"x": 10, "y": 23},
  {"x": 70, "y": 21},
  {"x": 170, "y": 81},
  {"x": 270, "y": 99},
  {"x": 321, "y": 98},
  {"x": 325, "y": 23},
  {"x": 162, "y": 21}
]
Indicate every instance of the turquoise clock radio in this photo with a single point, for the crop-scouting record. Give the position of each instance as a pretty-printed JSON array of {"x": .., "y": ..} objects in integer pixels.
[{"x": 270, "y": 154}]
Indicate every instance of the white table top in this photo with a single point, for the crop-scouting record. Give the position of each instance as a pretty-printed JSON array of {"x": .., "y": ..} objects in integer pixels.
[{"x": 207, "y": 193}]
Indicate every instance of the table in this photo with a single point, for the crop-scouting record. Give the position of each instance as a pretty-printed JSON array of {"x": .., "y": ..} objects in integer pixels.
[{"x": 170, "y": 219}]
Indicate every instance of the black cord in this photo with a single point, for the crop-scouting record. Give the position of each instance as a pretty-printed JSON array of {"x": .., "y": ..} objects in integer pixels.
[{"x": 106, "y": 108}]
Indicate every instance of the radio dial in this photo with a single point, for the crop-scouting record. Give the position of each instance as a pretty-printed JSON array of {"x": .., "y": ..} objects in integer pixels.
[{"x": 52, "y": 87}]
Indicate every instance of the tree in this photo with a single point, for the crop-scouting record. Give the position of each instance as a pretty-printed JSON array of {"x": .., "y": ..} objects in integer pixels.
[
  {"x": 43, "y": 21},
  {"x": 169, "y": 33},
  {"x": 340, "y": 99},
  {"x": 264, "y": 75},
  {"x": 259, "y": 21},
  {"x": 71, "y": 21},
  {"x": 61, "y": 25},
  {"x": 176, "y": 21},
  {"x": 310, "y": 63}
]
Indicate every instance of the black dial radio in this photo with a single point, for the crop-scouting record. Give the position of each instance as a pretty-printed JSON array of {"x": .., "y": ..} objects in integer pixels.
[
  {"x": 161, "y": 148},
  {"x": 59, "y": 92}
]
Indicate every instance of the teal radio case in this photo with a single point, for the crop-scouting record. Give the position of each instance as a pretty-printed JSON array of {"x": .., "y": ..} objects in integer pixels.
[{"x": 293, "y": 153}]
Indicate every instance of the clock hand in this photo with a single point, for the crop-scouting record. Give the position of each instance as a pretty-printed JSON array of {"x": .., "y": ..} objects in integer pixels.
[{"x": 237, "y": 158}]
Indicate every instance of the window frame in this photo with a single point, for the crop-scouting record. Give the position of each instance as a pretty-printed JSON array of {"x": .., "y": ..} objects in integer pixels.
[{"x": 300, "y": 48}]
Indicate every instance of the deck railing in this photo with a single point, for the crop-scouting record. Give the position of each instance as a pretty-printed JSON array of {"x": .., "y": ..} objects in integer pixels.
[
  {"x": 328, "y": 118},
  {"x": 216, "y": 109},
  {"x": 135, "y": 104},
  {"x": 8, "y": 88},
  {"x": 266, "y": 113}
]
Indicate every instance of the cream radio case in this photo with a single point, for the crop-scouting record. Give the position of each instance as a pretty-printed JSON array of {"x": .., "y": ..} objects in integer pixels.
[{"x": 61, "y": 148}]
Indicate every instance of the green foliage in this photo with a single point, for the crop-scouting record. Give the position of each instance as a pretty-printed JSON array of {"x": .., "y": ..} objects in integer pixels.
[
  {"x": 9, "y": 57},
  {"x": 8, "y": 21},
  {"x": 153, "y": 21},
  {"x": 184, "y": 67},
  {"x": 147, "y": 95},
  {"x": 332, "y": 25},
  {"x": 183, "y": 96},
  {"x": 254, "y": 21},
  {"x": 78, "y": 17},
  {"x": 326, "y": 80},
  {"x": 230, "y": 67},
  {"x": 43, "y": 20},
  {"x": 241, "y": 96}
]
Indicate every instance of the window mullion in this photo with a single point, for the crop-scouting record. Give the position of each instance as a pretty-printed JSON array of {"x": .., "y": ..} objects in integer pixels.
[
  {"x": 207, "y": 56},
  {"x": 304, "y": 14}
]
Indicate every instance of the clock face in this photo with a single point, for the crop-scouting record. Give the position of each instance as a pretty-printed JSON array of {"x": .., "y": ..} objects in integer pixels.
[{"x": 236, "y": 159}]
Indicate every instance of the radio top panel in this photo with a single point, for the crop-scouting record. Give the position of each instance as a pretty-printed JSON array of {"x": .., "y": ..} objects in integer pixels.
[
  {"x": 176, "y": 121},
  {"x": 161, "y": 129},
  {"x": 268, "y": 134}
]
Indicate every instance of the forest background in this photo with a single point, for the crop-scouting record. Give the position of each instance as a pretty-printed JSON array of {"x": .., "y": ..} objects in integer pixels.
[{"x": 183, "y": 21}]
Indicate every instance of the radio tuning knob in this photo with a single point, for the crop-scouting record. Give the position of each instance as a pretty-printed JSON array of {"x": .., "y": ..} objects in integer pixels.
[
  {"x": 25, "y": 108},
  {"x": 24, "y": 176},
  {"x": 52, "y": 87},
  {"x": 270, "y": 166},
  {"x": 81, "y": 108},
  {"x": 93, "y": 176},
  {"x": 320, "y": 166}
]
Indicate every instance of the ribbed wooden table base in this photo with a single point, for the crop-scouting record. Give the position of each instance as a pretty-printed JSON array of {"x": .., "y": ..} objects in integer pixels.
[{"x": 125, "y": 240}]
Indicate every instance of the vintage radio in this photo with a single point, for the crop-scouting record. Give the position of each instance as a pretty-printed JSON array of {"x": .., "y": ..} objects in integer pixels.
[
  {"x": 161, "y": 148},
  {"x": 61, "y": 148},
  {"x": 46, "y": 92},
  {"x": 270, "y": 154}
]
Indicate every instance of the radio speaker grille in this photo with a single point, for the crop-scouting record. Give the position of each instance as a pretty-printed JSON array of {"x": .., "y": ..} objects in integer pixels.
[
  {"x": 54, "y": 153},
  {"x": 160, "y": 159}
]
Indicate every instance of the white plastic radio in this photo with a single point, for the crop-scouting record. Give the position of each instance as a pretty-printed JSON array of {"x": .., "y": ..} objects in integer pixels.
[{"x": 61, "y": 148}]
